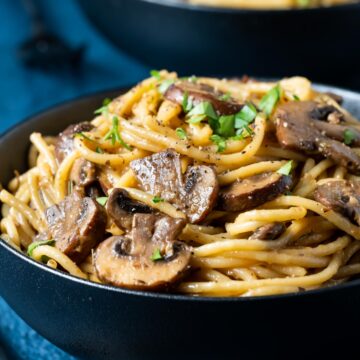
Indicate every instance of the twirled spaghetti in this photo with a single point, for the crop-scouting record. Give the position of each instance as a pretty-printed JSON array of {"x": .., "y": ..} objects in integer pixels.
[{"x": 317, "y": 245}]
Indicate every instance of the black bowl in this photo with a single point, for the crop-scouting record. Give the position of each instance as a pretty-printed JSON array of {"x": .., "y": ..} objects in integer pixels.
[
  {"x": 96, "y": 321},
  {"x": 319, "y": 43}
]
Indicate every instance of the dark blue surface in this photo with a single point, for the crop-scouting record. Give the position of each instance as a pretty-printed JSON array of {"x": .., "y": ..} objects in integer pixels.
[{"x": 24, "y": 92}]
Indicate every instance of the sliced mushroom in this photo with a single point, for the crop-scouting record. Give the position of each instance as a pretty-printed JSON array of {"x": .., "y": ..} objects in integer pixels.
[
  {"x": 160, "y": 175},
  {"x": 77, "y": 224},
  {"x": 253, "y": 191},
  {"x": 337, "y": 132},
  {"x": 198, "y": 93},
  {"x": 201, "y": 192},
  {"x": 65, "y": 142},
  {"x": 195, "y": 193},
  {"x": 83, "y": 173},
  {"x": 339, "y": 99},
  {"x": 297, "y": 129},
  {"x": 322, "y": 112},
  {"x": 268, "y": 232},
  {"x": 148, "y": 260},
  {"x": 342, "y": 196},
  {"x": 121, "y": 208}
]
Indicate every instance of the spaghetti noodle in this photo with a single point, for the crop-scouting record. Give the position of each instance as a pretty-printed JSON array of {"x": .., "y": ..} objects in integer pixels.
[{"x": 312, "y": 243}]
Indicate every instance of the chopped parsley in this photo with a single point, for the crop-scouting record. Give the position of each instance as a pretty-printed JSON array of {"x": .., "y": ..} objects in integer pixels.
[
  {"x": 192, "y": 79},
  {"x": 157, "y": 199},
  {"x": 181, "y": 134},
  {"x": 219, "y": 141},
  {"x": 226, "y": 126},
  {"x": 205, "y": 109},
  {"x": 114, "y": 134},
  {"x": 186, "y": 102},
  {"x": 296, "y": 98},
  {"x": 349, "y": 136},
  {"x": 156, "y": 255},
  {"x": 286, "y": 169},
  {"x": 270, "y": 99},
  {"x": 82, "y": 135},
  {"x": 102, "y": 200},
  {"x": 36, "y": 244},
  {"x": 165, "y": 85},
  {"x": 155, "y": 74},
  {"x": 105, "y": 107},
  {"x": 225, "y": 97},
  {"x": 99, "y": 150},
  {"x": 242, "y": 121}
]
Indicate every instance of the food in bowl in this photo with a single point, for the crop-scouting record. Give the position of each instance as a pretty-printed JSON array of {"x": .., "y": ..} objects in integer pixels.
[
  {"x": 204, "y": 186},
  {"x": 270, "y": 4}
]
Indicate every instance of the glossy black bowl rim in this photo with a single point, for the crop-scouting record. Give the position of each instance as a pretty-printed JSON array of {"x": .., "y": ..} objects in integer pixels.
[
  {"x": 178, "y": 4},
  {"x": 158, "y": 295}
]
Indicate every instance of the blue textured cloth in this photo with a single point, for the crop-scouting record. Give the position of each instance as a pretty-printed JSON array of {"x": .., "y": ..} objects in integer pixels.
[{"x": 24, "y": 92}]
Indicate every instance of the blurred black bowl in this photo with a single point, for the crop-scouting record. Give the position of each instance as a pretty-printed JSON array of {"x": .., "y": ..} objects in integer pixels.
[{"x": 320, "y": 43}]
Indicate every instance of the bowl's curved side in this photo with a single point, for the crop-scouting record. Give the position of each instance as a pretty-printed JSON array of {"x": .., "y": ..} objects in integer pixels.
[
  {"x": 228, "y": 42},
  {"x": 94, "y": 322}
]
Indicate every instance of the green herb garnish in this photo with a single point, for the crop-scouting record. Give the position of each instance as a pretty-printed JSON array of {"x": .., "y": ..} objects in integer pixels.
[
  {"x": 204, "y": 108},
  {"x": 102, "y": 200},
  {"x": 225, "y": 97},
  {"x": 186, "y": 102},
  {"x": 155, "y": 74},
  {"x": 156, "y": 256},
  {"x": 104, "y": 109},
  {"x": 349, "y": 136},
  {"x": 165, "y": 85},
  {"x": 270, "y": 99},
  {"x": 296, "y": 98},
  {"x": 36, "y": 244},
  {"x": 99, "y": 150},
  {"x": 246, "y": 115},
  {"x": 192, "y": 79},
  {"x": 114, "y": 134},
  {"x": 157, "y": 199},
  {"x": 286, "y": 169},
  {"x": 219, "y": 141},
  {"x": 82, "y": 135},
  {"x": 196, "y": 119},
  {"x": 181, "y": 134},
  {"x": 226, "y": 126}
]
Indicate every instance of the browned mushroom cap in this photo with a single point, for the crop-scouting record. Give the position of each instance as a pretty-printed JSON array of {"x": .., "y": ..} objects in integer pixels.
[
  {"x": 198, "y": 93},
  {"x": 338, "y": 98},
  {"x": 151, "y": 259},
  {"x": 83, "y": 173},
  {"x": 121, "y": 208},
  {"x": 65, "y": 142},
  {"x": 268, "y": 232},
  {"x": 160, "y": 175},
  {"x": 76, "y": 224},
  {"x": 342, "y": 196},
  {"x": 297, "y": 129},
  {"x": 336, "y": 132},
  {"x": 195, "y": 193},
  {"x": 201, "y": 192},
  {"x": 253, "y": 191}
]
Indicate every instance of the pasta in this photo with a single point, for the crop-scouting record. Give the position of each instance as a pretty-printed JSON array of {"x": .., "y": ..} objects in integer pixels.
[
  {"x": 269, "y": 4},
  {"x": 283, "y": 237}
]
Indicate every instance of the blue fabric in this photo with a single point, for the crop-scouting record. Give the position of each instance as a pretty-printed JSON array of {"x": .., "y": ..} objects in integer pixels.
[{"x": 24, "y": 92}]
